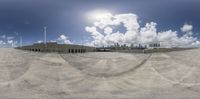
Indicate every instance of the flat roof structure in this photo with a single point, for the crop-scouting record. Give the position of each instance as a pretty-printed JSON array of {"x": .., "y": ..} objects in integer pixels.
[{"x": 55, "y": 47}]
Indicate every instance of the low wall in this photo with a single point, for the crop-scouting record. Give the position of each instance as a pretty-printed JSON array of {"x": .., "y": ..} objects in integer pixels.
[
  {"x": 165, "y": 50},
  {"x": 152, "y": 50}
]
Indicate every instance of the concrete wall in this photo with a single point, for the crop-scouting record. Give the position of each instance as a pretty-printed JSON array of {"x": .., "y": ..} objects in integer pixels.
[
  {"x": 165, "y": 50},
  {"x": 54, "y": 47},
  {"x": 155, "y": 50}
]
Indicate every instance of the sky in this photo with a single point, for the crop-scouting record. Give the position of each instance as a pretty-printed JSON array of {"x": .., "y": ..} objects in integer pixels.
[{"x": 101, "y": 22}]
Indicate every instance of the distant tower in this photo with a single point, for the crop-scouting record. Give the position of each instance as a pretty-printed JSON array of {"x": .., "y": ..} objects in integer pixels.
[{"x": 45, "y": 35}]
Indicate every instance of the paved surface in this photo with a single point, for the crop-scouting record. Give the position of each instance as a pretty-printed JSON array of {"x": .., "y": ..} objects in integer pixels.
[{"x": 28, "y": 75}]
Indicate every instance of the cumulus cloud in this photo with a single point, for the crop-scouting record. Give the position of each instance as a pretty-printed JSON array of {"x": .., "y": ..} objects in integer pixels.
[
  {"x": 148, "y": 33},
  {"x": 40, "y": 41},
  {"x": 186, "y": 28},
  {"x": 8, "y": 41},
  {"x": 11, "y": 43},
  {"x": 103, "y": 34},
  {"x": 108, "y": 30},
  {"x": 63, "y": 40}
]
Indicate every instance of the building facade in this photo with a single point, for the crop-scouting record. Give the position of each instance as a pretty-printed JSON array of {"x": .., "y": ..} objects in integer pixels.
[{"x": 154, "y": 45}]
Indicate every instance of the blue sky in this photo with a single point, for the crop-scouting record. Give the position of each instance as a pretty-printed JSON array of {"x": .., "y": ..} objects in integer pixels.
[{"x": 27, "y": 18}]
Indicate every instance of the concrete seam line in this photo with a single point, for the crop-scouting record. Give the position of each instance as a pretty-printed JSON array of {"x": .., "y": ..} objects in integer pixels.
[{"x": 114, "y": 75}]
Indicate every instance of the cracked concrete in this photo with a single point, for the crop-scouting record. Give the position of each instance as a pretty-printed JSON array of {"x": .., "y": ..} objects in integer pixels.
[{"x": 30, "y": 75}]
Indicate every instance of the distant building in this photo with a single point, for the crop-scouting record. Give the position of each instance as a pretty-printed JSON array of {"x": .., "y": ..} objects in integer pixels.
[
  {"x": 54, "y": 47},
  {"x": 103, "y": 49},
  {"x": 154, "y": 45}
]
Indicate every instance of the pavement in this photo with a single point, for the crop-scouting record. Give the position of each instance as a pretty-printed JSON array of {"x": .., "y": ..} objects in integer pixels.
[{"x": 99, "y": 75}]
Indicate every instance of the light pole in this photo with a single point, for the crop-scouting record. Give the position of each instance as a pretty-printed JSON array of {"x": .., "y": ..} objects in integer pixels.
[
  {"x": 45, "y": 35},
  {"x": 21, "y": 41}
]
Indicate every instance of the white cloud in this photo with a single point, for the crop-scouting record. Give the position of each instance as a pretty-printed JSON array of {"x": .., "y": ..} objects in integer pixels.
[
  {"x": 10, "y": 41},
  {"x": 2, "y": 43},
  {"x": 148, "y": 33},
  {"x": 7, "y": 41},
  {"x": 186, "y": 28},
  {"x": 40, "y": 41},
  {"x": 108, "y": 30},
  {"x": 136, "y": 34},
  {"x": 63, "y": 40},
  {"x": 129, "y": 21}
]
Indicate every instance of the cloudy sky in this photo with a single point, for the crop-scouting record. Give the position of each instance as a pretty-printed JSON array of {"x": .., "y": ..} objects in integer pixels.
[{"x": 101, "y": 22}]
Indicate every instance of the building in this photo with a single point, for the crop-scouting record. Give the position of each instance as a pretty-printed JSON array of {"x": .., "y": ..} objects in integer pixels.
[
  {"x": 154, "y": 45},
  {"x": 54, "y": 47}
]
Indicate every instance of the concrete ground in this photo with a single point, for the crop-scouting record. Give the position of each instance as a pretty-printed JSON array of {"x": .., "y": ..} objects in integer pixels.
[{"x": 31, "y": 75}]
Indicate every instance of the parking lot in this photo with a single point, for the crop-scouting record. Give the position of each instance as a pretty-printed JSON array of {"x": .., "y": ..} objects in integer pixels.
[{"x": 99, "y": 75}]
